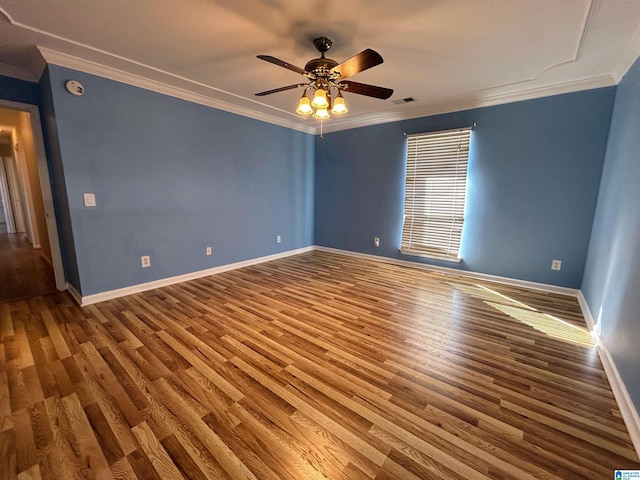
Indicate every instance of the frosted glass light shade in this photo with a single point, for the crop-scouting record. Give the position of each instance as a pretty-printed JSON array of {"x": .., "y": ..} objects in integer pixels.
[
  {"x": 339, "y": 106},
  {"x": 304, "y": 107},
  {"x": 320, "y": 99},
  {"x": 321, "y": 114}
]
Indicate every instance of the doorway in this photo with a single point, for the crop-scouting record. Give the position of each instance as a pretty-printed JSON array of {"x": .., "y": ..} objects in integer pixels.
[{"x": 30, "y": 256}]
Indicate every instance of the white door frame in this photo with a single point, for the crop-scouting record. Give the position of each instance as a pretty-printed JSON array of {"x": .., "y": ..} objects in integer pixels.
[
  {"x": 19, "y": 158},
  {"x": 45, "y": 184},
  {"x": 16, "y": 195},
  {"x": 6, "y": 198}
]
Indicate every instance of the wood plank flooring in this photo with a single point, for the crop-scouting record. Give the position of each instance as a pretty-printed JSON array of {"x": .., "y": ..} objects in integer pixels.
[
  {"x": 310, "y": 367},
  {"x": 23, "y": 270}
]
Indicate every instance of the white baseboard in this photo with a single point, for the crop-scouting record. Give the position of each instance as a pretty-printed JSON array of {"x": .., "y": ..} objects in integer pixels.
[
  {"x": 74, "y": 293},
  {"x": 454, "y": 271},
  {"x": 46, "y": 260},
  {"x": 163, "y": 282},
  {"x": 627, "y": 408}
]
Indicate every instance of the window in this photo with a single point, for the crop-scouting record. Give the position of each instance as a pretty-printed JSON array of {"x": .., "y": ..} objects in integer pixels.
[{"x": 435, "y": 191}]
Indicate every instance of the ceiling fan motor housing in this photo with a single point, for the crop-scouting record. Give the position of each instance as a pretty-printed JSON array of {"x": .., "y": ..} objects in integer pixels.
[
  {"x": 321, "y": 66},
  {"x": 322, "y": 44},
  {"x": 320, "y": 63}
]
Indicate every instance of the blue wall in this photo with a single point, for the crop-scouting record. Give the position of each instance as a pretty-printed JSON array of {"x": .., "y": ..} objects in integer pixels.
[
  {"x": 534, "y": 171},
  {"x": 170, "y": 178},
  {"x": 19, "y": 90},
  {"x": 611, "y": 283}
]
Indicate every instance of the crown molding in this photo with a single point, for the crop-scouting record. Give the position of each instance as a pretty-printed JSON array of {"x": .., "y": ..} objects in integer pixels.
[
  {"x": 94, "y": 68},
  {"x": 17, "y": 72},
  {"x": 184, "y": 88},
  {"x": 470, "y": 101},
  {"x": 586, "y": 26},
  {"x": 547, "y": 91},
  {"x": 628, "y": 58},
  {"x": 445, "y": 105}
]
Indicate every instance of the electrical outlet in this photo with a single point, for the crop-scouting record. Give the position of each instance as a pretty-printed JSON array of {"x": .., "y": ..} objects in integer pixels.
[
  {"x": 376, "y": 241},
  {"x": 556, "y": 264},
  {"x": 145, "y": 261},
  {"x": 278, "y": 239},
  {"x": 208, "y": 250}
]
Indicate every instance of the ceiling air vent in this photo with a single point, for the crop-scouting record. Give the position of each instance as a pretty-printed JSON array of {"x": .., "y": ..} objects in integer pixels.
[{"x": 404, "y": 100}]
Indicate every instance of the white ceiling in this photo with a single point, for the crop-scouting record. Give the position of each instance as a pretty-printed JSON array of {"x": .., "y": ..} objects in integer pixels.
[{"x": 446, "y": 54}]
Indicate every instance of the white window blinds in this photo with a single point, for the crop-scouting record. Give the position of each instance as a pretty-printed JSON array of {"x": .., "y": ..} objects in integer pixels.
[{"x": 435, "y": 191}]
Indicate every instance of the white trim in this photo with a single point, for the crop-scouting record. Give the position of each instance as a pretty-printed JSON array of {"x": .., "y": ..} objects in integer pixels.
[
  {"x": 188, "y": 94},
  {"x": 46, "y": 260},
  {"x": 24, "y": 181},
  {"x": 74, "y": 293},
  {"x": 451, "y": 104},
  {"x": 454, "y": 271},
  {"x": 586, "y": 26},
  {"x": 17, "y": 72},
  {"x": 47, "y": 197},
  {"x": 586, "y": 312},
  {"x": 547, "y": 91},
  {"x": 163, "y": 282},
  {"x": 456, "y": 103},
  {"x": 5, "y": 196},
  {"x": 627, "y": 408},
  {"x": 45, "y": 187},
  {"x": 468, "y": 101},
  {"x": 628, "y": 58},
  {"x": 465, "y": 101}
]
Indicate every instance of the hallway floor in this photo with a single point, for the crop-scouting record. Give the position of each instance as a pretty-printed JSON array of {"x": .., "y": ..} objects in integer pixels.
[{"x": 23, "y": 270}]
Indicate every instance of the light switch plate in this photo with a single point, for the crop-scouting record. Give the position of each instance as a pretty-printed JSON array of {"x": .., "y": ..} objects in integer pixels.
[{"x": 89, "y": 200}]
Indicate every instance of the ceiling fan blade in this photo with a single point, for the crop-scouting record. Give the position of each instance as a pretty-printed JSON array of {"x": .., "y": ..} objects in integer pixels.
[
  {"x": 368, "y": 90},
  {"x": 366, "y": 59},
  {"x": 281, "y": 89},
  {"x": 281, "y": 63}
]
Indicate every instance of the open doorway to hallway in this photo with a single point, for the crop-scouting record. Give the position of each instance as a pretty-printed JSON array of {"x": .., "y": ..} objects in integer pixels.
[
  {"x": 30, "y": 259},
  {"x": 24, "y": 272}
]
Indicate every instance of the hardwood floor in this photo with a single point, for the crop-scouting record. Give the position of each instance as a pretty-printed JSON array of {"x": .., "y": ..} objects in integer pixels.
[
  {"x": 309, "y": 367},
  {"x": 23, "y": 271}
]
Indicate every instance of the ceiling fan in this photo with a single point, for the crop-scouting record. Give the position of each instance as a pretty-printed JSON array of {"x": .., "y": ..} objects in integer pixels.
[{"x": 327, "y": 80}]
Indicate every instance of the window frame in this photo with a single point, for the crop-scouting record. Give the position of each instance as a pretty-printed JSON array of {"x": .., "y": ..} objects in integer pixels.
[{"x": 433, "y": 219}]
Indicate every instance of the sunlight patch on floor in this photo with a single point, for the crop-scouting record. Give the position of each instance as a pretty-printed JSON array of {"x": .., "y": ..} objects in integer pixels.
[
  {"x": 543, "y": 322},
  {"x": 485, "y": 293}
]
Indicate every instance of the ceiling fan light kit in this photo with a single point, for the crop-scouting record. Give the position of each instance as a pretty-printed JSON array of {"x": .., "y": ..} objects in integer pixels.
[
  {"x": 320, "y": 99},
  {"x": 339, "y": 107},
  {"x": 327, "y": 81},
  {"x": 304, "y": 106}
]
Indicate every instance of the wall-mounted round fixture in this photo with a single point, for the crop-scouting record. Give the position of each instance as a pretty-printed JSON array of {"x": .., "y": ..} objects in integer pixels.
[{"x": 74, "y": 87}]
